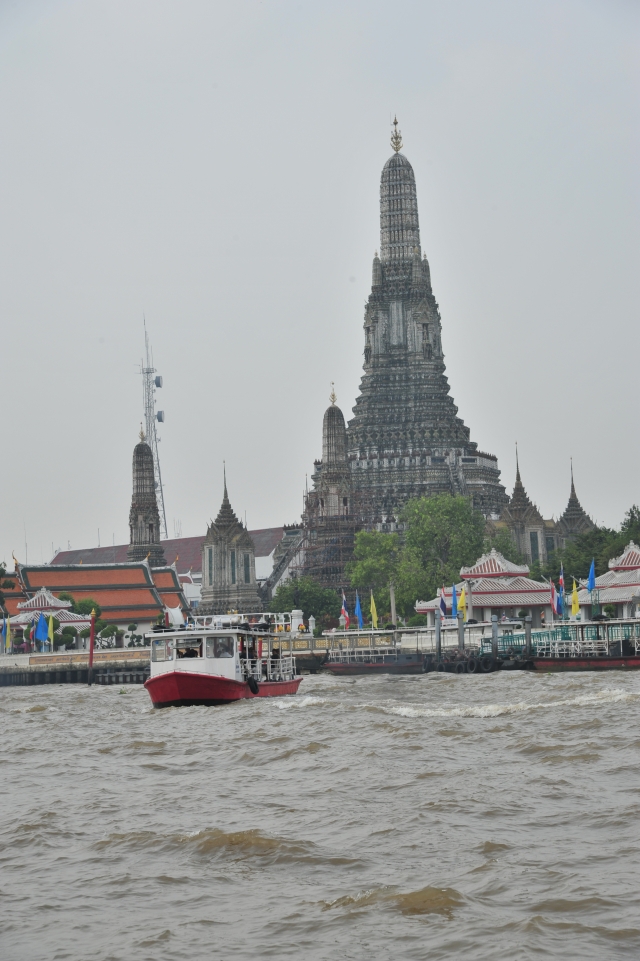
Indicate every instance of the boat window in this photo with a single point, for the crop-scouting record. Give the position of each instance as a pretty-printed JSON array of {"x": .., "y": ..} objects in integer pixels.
[
  {"x": 220, "y": 647},
  {"x": 189, "y": 648},
  {"x": 161, "y": 650}
]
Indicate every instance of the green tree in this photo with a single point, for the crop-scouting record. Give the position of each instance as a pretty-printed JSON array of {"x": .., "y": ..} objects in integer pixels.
[
  {"x": 504, "y": 543},
  {"x": 303, "y": 593},
  {"x": 443, "y": 534},
  {"x": 375, "y": 566}
]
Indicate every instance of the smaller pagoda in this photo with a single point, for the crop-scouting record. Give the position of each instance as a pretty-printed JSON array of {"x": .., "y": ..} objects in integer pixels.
[
  {"x": 144, "y": 519},
  {"x": 228, "y": 565}
]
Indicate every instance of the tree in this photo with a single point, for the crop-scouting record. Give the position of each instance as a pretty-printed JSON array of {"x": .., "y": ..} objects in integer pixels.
[
  {"x": 84, "y": 606},
  {"x": 305, "y": 594},
  {"x": 442, "y": 534},
  {"x": 504, "y": 543}
]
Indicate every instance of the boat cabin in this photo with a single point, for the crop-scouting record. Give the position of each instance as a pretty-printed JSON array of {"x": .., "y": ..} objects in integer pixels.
[{"x": 237, "y": 652}]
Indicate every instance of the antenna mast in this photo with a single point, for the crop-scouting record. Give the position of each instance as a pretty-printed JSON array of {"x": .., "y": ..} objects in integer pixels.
[{"x": 150, "y": 381}]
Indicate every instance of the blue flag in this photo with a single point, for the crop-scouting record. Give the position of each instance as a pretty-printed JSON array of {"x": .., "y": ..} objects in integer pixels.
[
  {"x": 358, "y": 611},
  {"x": 454, "y": 602},
  {"x": 42, "y": 629},
  {"x": 591, "y": 583}
]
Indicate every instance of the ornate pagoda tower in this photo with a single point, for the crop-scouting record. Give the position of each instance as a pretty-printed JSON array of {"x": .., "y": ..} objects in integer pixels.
[
  {"x": 144, "y": 519},
  {"x": 405, "y": 438},
  {"x": 228, "y": 565},
  {"x": 330, "y": 519}
]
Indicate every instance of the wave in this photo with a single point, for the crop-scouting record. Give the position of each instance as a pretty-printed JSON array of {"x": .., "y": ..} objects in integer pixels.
[
  {"x": 497, "y": 710},
  {"x": 233, "y": 845},
  {"x": 428, "y": 900}
]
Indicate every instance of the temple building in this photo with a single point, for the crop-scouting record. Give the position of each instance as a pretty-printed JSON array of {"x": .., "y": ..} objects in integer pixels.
[
  {"x": 331, "y": 517},
  {"x": 144, "y": 519},
  {"x": 228, "y": 565},
  {"x": 536, "y": 538},
  {"x": 619, "y": 587},
  {"x": 496, "y": 586},
  {"x": 405, "y": 439}
]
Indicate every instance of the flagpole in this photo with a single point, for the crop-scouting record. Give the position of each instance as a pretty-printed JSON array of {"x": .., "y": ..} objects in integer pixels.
[{"x": 92, "y": 638}]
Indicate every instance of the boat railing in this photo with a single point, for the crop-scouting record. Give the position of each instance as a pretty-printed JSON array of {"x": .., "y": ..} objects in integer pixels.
[
  {"x": 281, "y": 668},
  {"x": 353, "y": 655}
]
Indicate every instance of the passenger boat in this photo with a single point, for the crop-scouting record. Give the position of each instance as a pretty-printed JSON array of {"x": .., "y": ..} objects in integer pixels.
[{"x": 216, "y": 660}]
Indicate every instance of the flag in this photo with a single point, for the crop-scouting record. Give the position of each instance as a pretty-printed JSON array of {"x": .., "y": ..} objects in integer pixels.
[
  {"x": 443, "y": 603},
  {"x": 42, "y": 631},
  {"x": 575, "y": 603},
  {"x": 8, "y": 636},
  {"x": 50, "y": 632},
  {"x": 591, "y": 583},
  {"x": 462, "y": 603},
  {"x": 554, "y": 599},
  {"x": 374, "y": 613},
  {"x": 358, "y": 611},
  {"x": 561, "y": 579},
  {"x": 344, "y": 611},
  {"x": 4, "y": 633},
  {"x": 454, "y": 602}
]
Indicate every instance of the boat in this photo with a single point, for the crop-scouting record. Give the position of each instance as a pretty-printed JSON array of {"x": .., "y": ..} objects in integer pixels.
[
  {"x": 220, "y": 659},
  {"x": 374, "y": 660},
  {"x": 598, "y": 645}
]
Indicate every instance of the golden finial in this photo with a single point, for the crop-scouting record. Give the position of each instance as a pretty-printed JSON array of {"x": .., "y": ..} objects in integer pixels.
[
  {"x": 332, "y": 395},
  {"x": 142, "y": 437},
  {"x": 396, "y": 136}
]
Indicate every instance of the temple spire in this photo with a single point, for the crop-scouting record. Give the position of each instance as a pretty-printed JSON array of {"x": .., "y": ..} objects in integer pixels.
[
  {"x": 396, "y": 137},
  {"x": 332, "y": 395}
]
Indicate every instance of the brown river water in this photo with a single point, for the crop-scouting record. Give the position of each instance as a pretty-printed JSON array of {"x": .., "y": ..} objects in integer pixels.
[{"x": 493, "y": 817}]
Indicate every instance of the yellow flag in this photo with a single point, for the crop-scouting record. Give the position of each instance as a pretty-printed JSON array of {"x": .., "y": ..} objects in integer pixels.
[
  {"x": 374, "y": 613},
  {"x": 462, "y": 603},
  {"x": 50, "y": 632},
  {"x": 575, "y": 603}
]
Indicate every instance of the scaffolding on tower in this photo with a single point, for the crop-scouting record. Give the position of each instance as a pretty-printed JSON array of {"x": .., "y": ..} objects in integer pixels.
[{"x": 151, "y": 381}]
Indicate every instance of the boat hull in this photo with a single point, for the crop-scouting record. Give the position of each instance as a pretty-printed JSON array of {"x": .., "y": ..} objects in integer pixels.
[
  {"x": 605, "y": 662},
  {"x": 186, "y": 689},
  {"x": 364, "y": 669}
]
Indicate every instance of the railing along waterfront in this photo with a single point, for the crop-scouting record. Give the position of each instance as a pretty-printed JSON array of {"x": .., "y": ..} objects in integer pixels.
[{"x": 570, "y": 639}]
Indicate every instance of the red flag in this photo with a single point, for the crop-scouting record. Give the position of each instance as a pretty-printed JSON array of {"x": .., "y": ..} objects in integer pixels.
[{"x": 344, "y": 611}]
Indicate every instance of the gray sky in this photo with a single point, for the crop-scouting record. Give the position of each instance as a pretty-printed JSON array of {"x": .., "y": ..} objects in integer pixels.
[{"x": 216, "y": 166}]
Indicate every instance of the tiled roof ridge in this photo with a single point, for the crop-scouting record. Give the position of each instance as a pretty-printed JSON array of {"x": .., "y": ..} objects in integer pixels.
[
  {"x": 629, "y": 559},
  {"x": 493, "y": 564}
]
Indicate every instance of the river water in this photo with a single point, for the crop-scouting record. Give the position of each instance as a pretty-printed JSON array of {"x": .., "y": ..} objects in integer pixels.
[{"x": 492, "y": 817}]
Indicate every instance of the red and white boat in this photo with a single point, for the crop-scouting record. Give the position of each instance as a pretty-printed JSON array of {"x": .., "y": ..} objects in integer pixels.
[{"x": 215, "y": 660}]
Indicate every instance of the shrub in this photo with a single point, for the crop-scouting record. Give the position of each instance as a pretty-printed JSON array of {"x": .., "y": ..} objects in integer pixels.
[{"x": 418, "y": 620}]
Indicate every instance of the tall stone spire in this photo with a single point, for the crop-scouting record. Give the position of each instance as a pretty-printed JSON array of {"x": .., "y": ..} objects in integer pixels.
[
  {"x": 144, "y": 519},
  {"x": 405, "y": 438}
]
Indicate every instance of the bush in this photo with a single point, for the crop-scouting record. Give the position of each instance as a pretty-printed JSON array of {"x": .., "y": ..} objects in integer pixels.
[
  {"x": 418, "y": 620},
  {"x": 610, "y": 610}
]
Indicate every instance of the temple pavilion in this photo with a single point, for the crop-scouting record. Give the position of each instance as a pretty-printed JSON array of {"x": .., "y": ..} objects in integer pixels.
[
  {"x": 494, "y": 585},
  {"x": 620, "y": 585}
]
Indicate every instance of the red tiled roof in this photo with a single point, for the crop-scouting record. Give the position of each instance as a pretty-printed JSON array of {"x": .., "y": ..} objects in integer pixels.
[
  {"x": 187, "y": 550},
  {"x": 124, "y": 592}
]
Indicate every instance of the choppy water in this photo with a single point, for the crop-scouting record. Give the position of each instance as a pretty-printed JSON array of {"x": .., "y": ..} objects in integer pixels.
[{"x": 492, "y": 817}]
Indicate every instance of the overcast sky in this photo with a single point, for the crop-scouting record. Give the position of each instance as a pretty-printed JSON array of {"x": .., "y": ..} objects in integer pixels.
[{"x": 215, "y": 166}]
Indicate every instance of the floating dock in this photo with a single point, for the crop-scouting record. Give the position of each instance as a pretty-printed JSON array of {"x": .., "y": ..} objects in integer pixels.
[{"x": 109, "y": 667}]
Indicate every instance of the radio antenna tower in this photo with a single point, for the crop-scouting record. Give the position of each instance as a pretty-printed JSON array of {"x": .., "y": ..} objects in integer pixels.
[{"x": 150, "y": 381}]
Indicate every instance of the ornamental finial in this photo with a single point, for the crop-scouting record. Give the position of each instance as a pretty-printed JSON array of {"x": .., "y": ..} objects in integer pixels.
[
  {"x": 332, "y": 395},
  {"x": 396, "y": 136},
  {"x": 142, "y": 437}
]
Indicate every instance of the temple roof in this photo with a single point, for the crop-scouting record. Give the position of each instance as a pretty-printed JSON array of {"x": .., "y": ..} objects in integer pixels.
[
  {"x": 44, "y": 600},
  {"x": 493, "y": 564},
  {"x": 574, "y": 514},
  {"x": 629, "y": 560},
  {"x": 492, "y": 591}
]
